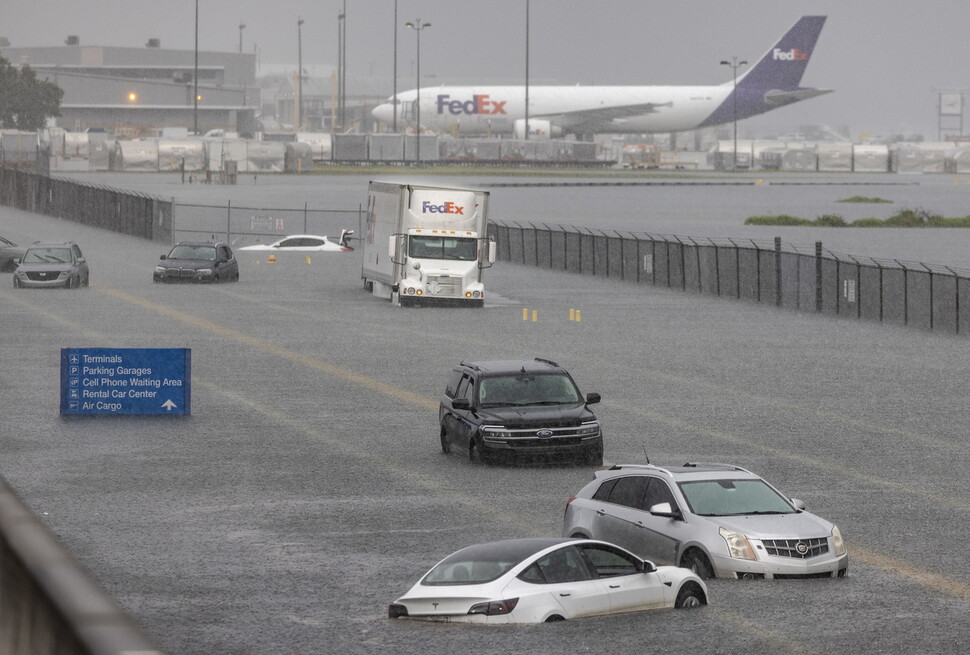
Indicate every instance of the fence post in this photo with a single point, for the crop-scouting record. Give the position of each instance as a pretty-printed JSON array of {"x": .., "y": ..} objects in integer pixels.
[
  {"x": 818, "y": 276},
  {"x": 778, "y": 271}
]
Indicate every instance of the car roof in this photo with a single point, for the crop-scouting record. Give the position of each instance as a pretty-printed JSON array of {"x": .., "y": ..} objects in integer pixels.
[
  {"x": 201, "y": 243},
  {"x": 686, "y": 472},
  {"x": 51, "y": 244},
  {"x": 505, "y": 366}
]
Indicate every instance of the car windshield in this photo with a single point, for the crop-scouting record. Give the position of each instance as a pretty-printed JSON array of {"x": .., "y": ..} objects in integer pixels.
[
  {"x": 434, "y": 247},
  {"x": 47, "y": 255},
  {"x": 734, "y": 497},
  {"x": 193, "y": 252},
  {"x": 527, "y": 389},
  {"x": 481, "y": 563}
]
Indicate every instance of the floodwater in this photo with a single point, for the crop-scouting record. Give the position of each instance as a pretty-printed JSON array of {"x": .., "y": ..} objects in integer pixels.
[{"x": 688, "y": 204}]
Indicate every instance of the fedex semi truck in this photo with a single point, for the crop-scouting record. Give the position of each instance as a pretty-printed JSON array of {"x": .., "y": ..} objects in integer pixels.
[{"x": 426, "y": 245}]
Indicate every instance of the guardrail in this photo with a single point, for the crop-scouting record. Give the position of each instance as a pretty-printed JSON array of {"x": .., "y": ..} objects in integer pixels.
[
  {"x": 818, "y": 280},
  {"x": 48, "y": 604}
]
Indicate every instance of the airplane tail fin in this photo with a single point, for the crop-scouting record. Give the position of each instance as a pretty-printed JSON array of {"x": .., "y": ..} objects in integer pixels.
[{"x": 782, "y": 67}]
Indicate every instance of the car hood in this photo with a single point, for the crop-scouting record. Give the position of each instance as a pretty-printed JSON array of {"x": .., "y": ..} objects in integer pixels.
[
  {"x": 799, "y": 525},
  {"x": 194, "y": 264},
  {"x": 544, "y": 415},
  {"x": 51, "y": 267}
]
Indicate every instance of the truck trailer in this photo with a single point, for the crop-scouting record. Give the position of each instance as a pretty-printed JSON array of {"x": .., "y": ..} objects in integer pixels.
[{"x": 426, "y": 245}]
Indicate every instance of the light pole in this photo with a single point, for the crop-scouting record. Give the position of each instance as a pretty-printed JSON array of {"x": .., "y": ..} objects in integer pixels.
[
  {"x": 299, "y": 73},
  {"x": 341, "y": 55},
  {"x": 735, "y": 65},
  {"x": 394, "y": 90},
  {"x": 195, "y": 76},
  {"x": 417, "y": 26},
  {"x": 242, "y": 26},
  {"x": 526, "y": 70}
]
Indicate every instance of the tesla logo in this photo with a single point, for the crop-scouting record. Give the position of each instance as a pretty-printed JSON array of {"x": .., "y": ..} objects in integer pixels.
[
  {"x": 435, "y": 605},
  {"x": 791, "y": 55},
  {"x": 544, "y": 433}
]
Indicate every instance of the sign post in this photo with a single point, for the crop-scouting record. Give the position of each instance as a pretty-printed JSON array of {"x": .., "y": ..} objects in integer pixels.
[{"x": 126, "y": 381}]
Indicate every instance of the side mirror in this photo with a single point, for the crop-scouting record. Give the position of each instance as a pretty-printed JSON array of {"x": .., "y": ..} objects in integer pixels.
[
  {"x": 665, "y": 510},
  {"x": 392, "y": 246},
  {"x": 799, "y": 504},
  {"x": 592, "y": 398},
  {"x": 461, "y": 403},
  {"x": 164, "y": 257},
  {"x": 491, "y": 252},
  {"x": 649, "y": 567}
]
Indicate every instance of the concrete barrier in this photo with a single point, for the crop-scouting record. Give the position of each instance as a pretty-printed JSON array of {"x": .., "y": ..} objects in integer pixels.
[{"x": 48, "y": 604}]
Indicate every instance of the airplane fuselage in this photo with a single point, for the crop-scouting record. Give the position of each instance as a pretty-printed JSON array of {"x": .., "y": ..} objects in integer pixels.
[{"x": 482, "y": 110}]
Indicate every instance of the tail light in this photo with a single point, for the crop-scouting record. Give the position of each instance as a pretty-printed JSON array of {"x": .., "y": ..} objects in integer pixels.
[{"x": 495, "y": 607}]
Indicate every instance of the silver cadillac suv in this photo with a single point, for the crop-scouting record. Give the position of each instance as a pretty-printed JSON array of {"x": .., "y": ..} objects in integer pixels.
[{"x": 719, "y": 520}]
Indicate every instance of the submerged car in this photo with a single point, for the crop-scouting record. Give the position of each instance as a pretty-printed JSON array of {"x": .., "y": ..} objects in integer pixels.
[
  {"x": 545, "y": 580},
  {"x": 307, "y": 243},
  {"x": 10, "y": 252},
  {"x": 47, "y": 265},
  {"x": 516, "y": 409},
  {"x": 198, "y": 261},
  {"x": 715, "y": 519}
]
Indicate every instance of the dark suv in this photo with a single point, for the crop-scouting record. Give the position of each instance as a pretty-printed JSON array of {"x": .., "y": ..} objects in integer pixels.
[
  {"x": 504, "y": 410},
  {"x": 197, "y": 261}
]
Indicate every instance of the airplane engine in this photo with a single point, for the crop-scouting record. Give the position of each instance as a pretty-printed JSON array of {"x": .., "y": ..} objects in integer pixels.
[{"x": 538, "y": 129}]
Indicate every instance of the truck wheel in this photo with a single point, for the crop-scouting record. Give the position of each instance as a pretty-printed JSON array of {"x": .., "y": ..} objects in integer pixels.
[
  {"x": 445, "y": 446},
  {"x": 476, "y": 454}
]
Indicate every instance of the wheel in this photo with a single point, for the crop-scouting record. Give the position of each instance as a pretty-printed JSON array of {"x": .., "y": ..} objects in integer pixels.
[
  {"x": 593, "y": 458},
  {"x": 16, "y": 283},
  {"x": 477, "y": 455},
  {"x": 73, "y": 283},
  {"x": 690, "y": 596},
  {"x": 555, "y": 618},
  {"x": 697, "y": 562},
  {"x": 445, "y": 446},
  {"x": 87, "y": 280}
]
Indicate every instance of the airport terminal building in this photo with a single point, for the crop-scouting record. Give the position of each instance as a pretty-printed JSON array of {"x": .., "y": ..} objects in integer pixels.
[{"x": 135, "y": 91}]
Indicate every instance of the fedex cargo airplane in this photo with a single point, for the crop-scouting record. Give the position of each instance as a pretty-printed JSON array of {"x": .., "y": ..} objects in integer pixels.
[{"x": 554, "y": 110}]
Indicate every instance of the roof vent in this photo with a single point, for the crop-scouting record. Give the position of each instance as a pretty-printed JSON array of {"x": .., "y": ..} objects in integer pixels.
[
  {"x": 154, "y": 43},
  {"x": 73, "y": 40}
]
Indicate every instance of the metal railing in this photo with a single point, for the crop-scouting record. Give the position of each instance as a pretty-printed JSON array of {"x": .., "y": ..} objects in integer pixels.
[
  {"x": 127, "y": 212},
  {"x": 817, "y": 280},
  {"x": 48, "y": 604}
]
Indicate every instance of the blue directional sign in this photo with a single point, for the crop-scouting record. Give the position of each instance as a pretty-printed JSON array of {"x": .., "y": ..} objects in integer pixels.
[{"x": 126, "y": 380}]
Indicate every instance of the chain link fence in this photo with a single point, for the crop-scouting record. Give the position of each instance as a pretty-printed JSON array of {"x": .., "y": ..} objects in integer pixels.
[
  {"x": 242, "y": 225},
  {"x": 816, "y": 280}
]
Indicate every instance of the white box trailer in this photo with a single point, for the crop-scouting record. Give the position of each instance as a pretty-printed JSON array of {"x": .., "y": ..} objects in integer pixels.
[{"x": 426, "y": 245}]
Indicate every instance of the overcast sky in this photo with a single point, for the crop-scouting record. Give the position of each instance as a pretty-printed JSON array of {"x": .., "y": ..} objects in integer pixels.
[{"x": 886, "y": 60}]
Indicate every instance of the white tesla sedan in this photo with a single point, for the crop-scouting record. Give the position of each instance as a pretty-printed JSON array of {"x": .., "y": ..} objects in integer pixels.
[
  {"x": 548, "y": 579},
  {"x": 306, "y": 243}
]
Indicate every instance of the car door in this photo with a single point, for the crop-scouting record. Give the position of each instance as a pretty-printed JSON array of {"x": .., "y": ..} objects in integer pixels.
[
  {"x": 616, "y": 516},
  {"x": 457, "y": 422},
  {"x": 657, "y": 538},
  {"x": 629, "y": 586},
  {"x": 570, "y": 581}
]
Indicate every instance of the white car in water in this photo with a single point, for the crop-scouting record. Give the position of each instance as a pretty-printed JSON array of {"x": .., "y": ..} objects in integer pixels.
[
  {"x": 718, "y": 520},
  {"x": 306, "y": 243},
  {"x": 543, "y": 580}
]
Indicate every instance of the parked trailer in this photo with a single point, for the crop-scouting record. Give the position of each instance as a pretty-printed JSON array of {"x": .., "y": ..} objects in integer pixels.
[{"x": 426, "y": 245}]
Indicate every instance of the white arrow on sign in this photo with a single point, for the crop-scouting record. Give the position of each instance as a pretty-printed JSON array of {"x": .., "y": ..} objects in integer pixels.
[{"x": 169, "y": 405}]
